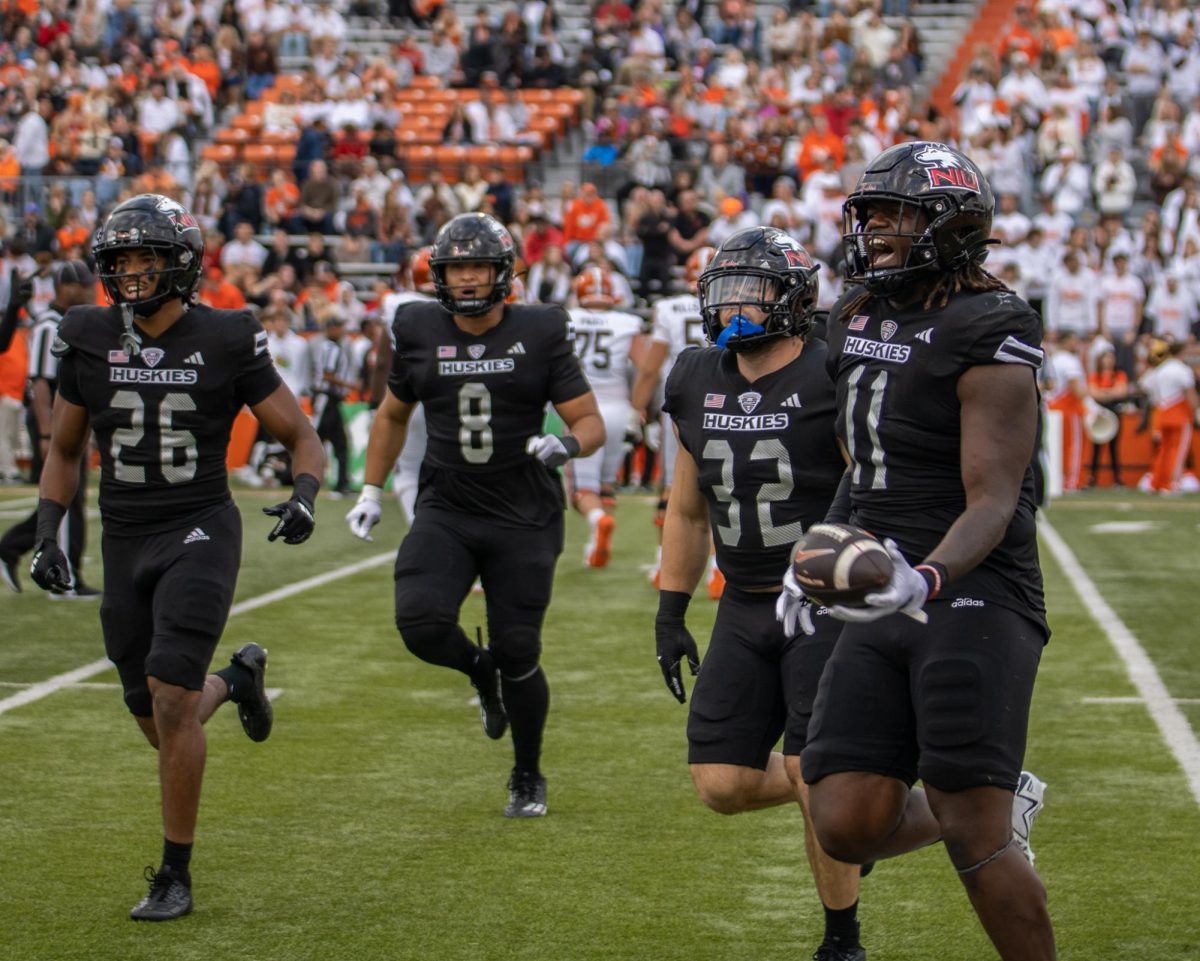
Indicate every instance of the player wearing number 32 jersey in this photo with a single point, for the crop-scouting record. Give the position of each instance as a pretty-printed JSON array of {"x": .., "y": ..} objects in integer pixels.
[
  {"x": 160, "y": 381},
  {"x": 490, "y": 502}
]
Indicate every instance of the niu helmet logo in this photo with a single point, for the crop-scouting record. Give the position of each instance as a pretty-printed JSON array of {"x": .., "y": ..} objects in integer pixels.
[{"x": 945, "y": 169}]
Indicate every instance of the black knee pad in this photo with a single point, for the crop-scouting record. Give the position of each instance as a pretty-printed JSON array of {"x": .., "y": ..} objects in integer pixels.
[
  {"x": 178, "y": 666},
  {"x": 516, "y": 652},
  {"x": 426, "y": 640},
  {"x": 138, "y": 699}
]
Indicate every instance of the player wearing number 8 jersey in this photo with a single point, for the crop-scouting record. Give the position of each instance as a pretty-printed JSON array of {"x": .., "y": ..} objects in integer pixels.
[
  {"x": 935, "y": 364},
  {"x": 490, "y": 501},
  {"x": 160, "y": 381},
  {"x": 758, "y": 463}
]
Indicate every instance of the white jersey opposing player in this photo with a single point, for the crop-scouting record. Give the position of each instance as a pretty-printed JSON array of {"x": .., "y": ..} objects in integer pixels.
[{"x": 603, "y": 338}]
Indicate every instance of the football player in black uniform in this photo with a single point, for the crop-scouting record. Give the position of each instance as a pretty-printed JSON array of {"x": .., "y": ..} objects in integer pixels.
[
  {"x": 758, "y": 461},
  {"x": 490, "y": 501},
  {"x": 160, "y": 381},
  {"x": 935, "y": 364}
]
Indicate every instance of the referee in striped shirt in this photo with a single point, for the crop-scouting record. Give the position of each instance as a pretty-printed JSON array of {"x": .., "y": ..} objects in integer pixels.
[
  {"x": 333, "y": 378},
  {"x": 73, "y": 285}
]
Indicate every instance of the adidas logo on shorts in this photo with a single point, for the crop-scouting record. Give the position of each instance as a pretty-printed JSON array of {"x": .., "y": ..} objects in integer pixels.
[{"x": 196, "y": 535}]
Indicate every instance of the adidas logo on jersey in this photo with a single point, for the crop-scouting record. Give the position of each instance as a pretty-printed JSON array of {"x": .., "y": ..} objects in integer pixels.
[
  {"x": 793, "y": 401},
  {"x": 197, "y": 358},
  {"x": 517, "y": 348},
  {"x": 196, "y": 535},
  {"x": 926, "y": 335}
]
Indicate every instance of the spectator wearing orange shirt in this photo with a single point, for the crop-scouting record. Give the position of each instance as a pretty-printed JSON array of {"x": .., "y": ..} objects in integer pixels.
[
  {"x": 281, "y": 199},
  {"x": 820, "y": 142},
  {"x": 73, "y": 236},
  {"x": 217, "y": 292},
  {"x": 584, "y": 217},
  {"x": 1108, "y": 386},
  {"x": 14, "y": 366},
  {"x": 204, "y": 65}
]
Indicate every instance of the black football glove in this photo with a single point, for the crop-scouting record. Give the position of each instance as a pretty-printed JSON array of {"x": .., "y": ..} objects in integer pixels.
[
  {"x": 673, "y": 641},
  {"x": 50, "y": 569},
  {"x": 296, "y": 520}
]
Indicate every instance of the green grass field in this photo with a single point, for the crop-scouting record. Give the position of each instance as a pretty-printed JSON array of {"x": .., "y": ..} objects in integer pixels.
[{"x": 368, "y": 827}]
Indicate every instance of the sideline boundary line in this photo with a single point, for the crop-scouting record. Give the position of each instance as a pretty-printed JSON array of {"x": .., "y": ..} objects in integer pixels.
[
  {"x": 35, "y": 692},
  {"x": 1172, "y": 724}
]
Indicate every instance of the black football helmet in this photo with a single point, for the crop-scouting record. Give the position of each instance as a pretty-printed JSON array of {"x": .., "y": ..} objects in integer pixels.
[
  {"x": 472, "y": 239},
  {"x": 164, "y": 225},
  {"x": 953, "y": 199},
  {"x": 762, "y": 267}
]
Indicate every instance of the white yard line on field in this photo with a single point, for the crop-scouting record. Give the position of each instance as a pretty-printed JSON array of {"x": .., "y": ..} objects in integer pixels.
[
  {"x": 1174, "y": 727},
  {"x": 35, "y": 692},
  {"x": 1134, "y": 700}
]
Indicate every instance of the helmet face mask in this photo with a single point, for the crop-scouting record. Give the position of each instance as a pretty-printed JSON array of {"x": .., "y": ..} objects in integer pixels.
[
  {"x": 473, "y": 239},
  {"x": 759, "y": 286},
  {"x": 940, "y": 207},
  {"x": 154, "y": 223}
]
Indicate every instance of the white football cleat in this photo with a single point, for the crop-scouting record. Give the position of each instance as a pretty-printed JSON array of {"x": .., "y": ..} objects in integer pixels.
[{"x": 1028, "y": 801}]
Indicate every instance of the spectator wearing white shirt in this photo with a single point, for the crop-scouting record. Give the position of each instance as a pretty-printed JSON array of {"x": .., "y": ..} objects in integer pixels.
[
  {"x": 1067, "y": 181},
  {"x": 1023, "y": 90},
  {"x": 1010, "y": 225},
  {"x": 1055, "y": 225},
  {"x": 975, "y": 98},
  {"x": 1122, "y": 300},
  {"x": 1087, "y": 72},
  {"x": 243, "y": 257},
  {"x": 1115, "y": 184},
  {"x": 874, "y": 36},
  {"x": 1173, "y": 308},
  {"x": 1143, "y": 64},
  {"x": 1037, "y": 262},
  {"x": 158, "y": 113},
  {"x": 785, "y": 205},
  {"x": 31, "y": 139},
  {"x": 1072, "y": 302},
  {"x": 327, "y": 22}
]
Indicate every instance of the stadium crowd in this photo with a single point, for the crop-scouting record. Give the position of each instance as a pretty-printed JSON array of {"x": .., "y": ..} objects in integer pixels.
[{"x": 696, "y": 119}]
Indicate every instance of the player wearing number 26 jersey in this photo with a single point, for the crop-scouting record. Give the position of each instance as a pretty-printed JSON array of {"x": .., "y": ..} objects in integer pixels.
[
  {"x": 935, "y": 363},
  {"x": 490, "y": 501},
  {"x": 160, "y": 381}
]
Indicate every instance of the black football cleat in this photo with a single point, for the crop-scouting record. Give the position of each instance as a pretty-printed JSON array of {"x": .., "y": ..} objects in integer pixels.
[
  {"x": 169, "y": 898},
  {"x": 526, "y": 795},
  {"x": 831, "y": 951},
  {"x": 254, "y": 707},
  {"x": 491, "y": 703}
]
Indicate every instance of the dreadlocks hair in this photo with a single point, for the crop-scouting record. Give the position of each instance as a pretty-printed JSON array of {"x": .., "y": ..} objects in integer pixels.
[{"x": 971, "y": 277}]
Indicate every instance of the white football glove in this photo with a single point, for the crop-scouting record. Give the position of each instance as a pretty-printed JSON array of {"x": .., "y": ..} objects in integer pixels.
[
  {"x": 633, "y": 427},
  {"x": 905, "y": 594},
  {"x": 793, "y": 610},
  {"x": 550, "y": 450},
  {"x": 366, "y": 513}
]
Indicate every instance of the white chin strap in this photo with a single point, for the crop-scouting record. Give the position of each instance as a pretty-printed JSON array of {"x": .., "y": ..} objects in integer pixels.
[{"x": 131, "y": 341}]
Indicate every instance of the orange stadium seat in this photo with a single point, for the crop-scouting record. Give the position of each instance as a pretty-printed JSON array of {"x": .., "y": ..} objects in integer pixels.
[
  {"x": 222, "y": 153},
  {"x": 279, "y": 136},
  {"x": 233, "y": 135},
  {"x": 514, "y": 161},
  {"x": 424, "y": 82},
  {"x": 451, "y": 158}
]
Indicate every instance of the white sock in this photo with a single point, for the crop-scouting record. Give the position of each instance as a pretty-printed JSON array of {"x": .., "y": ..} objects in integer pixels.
[{"x": 594, "y": 515}]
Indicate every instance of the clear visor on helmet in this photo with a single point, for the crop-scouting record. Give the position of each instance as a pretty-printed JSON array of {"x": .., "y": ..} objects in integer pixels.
[{"x": 733, "y": 289}]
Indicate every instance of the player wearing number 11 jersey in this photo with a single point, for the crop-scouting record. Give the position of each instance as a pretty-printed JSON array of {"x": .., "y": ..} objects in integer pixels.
[
  {"x": 490, "y": 502},
  {"x": 935, "y": 364},
  {"x": 160, "y": 381}
]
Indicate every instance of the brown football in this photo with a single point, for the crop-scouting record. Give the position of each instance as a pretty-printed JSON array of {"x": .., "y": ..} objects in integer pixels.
[{"x": 840, "y": 564}]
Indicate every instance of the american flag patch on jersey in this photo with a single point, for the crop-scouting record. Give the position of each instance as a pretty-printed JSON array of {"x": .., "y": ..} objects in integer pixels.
[
  {"x": 447, "y": 353},
  {"x": 858, "y": 322},
  {"x": 118, "y": 357},
  {"x": 714, "y": 400}
]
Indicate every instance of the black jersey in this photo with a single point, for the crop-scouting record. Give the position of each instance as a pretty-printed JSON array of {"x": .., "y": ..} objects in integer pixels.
[
  {"x": 897, "y": 377},
  {"x": 766, "y": 455},
  {"x": 162, "y": 418},
  {"x": 484, "y": 398}
]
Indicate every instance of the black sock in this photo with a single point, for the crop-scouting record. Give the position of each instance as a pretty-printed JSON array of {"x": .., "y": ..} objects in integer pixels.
[
  {"x": 237, "y": 679},
  {"x": 527, "y": 702},
  {"x": 177, "y": 857},
  {"x": 841, "y": 926}
]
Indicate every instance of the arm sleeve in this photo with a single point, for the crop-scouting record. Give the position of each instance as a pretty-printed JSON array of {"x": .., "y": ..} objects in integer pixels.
[
  {"x": 257, "y": 377},
  {"x": 839, "y": 507},
  {"x": 566, "y": 376}
]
